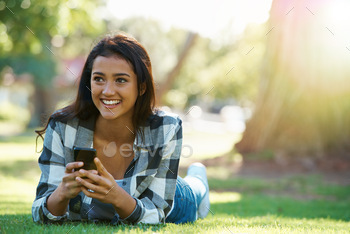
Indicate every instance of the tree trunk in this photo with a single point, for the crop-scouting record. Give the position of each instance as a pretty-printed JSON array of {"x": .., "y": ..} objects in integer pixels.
[
  {"x": 304, "y": 96},
  {"x": 43, "y": 106},
  {"x": 167, "y": 83}
]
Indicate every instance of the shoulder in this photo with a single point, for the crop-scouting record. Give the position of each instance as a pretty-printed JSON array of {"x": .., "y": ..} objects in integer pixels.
[
  {"x": 161, "y": 119},
  {"x": 163, "y": 127},
  {"x": 60, "y": 125}
]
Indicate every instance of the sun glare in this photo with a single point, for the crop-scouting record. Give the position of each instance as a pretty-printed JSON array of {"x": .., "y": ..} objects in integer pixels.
[
  {"x": 335, "y": 39},
  {"x": 209, "y": 18}
]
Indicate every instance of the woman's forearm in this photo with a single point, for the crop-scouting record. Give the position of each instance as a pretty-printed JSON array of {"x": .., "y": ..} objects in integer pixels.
[
  {"x": 56, "y": 203},
  {"x": 124, "y": 204}
]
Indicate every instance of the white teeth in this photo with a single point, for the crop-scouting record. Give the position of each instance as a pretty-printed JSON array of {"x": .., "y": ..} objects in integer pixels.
[{"x": 111, "y": 102}]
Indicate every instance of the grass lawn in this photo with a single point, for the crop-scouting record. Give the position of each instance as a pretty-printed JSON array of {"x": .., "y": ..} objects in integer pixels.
[{"x": 294, "y": 204}]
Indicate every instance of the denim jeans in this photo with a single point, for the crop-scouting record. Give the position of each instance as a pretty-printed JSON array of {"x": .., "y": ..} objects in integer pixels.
[{"x": 188, "y": 195}]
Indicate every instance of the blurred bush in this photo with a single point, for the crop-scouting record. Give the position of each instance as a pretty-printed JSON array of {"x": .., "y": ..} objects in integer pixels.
[{"x": 10, "y": 112}]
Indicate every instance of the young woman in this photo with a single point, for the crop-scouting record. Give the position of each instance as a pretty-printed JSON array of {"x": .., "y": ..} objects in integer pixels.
[{"x": 138, "y": 149}]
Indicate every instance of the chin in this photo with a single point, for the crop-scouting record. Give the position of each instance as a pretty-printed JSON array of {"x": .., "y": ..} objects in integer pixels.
[{"x": 108, "y": 115}]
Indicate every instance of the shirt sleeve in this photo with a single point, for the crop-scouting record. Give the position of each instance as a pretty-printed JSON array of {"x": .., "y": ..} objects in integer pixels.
[
  {"x": 154, "y": 204},
  {"x": 52, "y": 165}
]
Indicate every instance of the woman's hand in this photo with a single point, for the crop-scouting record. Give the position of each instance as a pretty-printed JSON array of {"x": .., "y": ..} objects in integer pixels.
[
  {"x": 106, "y": 190},
  {"x": 57, "y": 202},
  {"x": 70, "y": 187},
  {"x": 102, "y": 184}
]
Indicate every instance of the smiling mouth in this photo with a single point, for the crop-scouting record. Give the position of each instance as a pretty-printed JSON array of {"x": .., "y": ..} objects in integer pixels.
[{"x": 110, "y": 103}]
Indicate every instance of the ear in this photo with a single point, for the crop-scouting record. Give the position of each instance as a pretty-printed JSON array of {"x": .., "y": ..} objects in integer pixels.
[{"x": 143, "y": 89}]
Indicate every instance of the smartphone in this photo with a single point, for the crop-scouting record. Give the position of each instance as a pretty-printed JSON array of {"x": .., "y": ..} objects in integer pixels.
[{"x": 85, "y": 155}]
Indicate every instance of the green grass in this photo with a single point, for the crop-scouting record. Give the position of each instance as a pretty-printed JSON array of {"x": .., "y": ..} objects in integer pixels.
[
  {"x": 294, "y": 204},
  {"x": 312, "y": 186}
]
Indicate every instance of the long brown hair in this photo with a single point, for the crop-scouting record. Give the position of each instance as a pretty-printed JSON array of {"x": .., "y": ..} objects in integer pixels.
[{"x": 132, "y": 51}]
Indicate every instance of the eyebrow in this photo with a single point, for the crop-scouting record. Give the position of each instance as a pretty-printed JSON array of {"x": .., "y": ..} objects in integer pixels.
[{"x": 115, "y": 74}]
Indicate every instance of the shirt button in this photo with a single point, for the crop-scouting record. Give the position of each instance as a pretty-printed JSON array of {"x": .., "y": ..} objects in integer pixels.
[{"x": 124, "y": 183}]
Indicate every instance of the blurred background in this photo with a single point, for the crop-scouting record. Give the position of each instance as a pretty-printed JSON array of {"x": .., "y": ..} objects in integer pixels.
[{"x": 263, "y": 87}]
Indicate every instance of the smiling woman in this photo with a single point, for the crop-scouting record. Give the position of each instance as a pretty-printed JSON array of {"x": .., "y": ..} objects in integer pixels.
[
  {"x": 115, "y": 108},
  {"x": 114, "y": 88}
]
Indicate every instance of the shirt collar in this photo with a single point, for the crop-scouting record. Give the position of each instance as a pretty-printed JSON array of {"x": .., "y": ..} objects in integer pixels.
[{"x": 85, "y": 134}]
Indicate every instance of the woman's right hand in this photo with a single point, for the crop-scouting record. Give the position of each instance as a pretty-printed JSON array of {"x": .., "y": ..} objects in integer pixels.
[
  {"x": 69, "y": 187},
  {"x": 57, "y": 202}
]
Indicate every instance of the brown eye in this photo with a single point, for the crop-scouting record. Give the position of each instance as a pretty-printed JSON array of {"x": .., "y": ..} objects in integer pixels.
[
  {"x": 120, "y": 80},
  {"x": 98, "y": 79}
]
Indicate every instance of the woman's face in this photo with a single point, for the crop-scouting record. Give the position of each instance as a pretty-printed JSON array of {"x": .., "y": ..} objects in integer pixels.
[{"x": 113, "y": 87}]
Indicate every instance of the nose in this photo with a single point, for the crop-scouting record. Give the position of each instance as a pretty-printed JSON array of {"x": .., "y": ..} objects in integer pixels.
[{"x": 108, "y": 89}]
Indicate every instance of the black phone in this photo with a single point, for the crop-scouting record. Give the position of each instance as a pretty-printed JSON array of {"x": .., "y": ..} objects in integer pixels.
[{"x": 85, "y": 155}]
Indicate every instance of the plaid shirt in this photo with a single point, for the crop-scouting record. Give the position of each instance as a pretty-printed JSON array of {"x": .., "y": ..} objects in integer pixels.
[{"x": 150, "y": 178}]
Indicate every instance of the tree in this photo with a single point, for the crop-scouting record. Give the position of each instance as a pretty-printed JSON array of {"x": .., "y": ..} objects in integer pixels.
[
  {"x": 168, "y": 49},
  {"x": 170, "y": 78},
  {"x": 302, "y": 109},
  {"x": 32, "y": 34}
]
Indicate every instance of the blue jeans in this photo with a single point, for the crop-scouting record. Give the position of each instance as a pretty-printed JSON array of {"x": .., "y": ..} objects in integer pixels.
[
  {"x": 186, "y": 202},
  {"x": 188, "y": 195}
]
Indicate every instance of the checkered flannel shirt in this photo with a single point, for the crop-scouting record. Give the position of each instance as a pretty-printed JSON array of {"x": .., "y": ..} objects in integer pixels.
[{"x": 150, "y": 178}]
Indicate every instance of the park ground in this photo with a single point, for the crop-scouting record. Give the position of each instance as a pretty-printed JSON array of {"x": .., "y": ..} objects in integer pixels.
[{"x": 248, "y": 195}]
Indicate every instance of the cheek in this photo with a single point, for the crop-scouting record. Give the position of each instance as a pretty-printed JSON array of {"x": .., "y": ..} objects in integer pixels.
[
  {"x": 94, "y": 92},
  {"x": 94, "y": 88},
  {"x": 92, "y": 85}
]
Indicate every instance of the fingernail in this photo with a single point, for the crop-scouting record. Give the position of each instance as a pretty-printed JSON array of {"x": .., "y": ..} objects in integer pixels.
[
  {"x": 78, "y": 179},
  {"x": 82, "y": 171},
  {"x": 80, "y": 164}
]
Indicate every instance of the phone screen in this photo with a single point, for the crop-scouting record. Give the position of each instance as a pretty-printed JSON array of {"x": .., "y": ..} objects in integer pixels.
[{"x": 85, "y": 155}]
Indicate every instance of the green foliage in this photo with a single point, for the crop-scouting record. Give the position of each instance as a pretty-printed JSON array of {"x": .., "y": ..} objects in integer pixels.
[
  {"x": 208, "y": 65},
  {"x": 162, "y": 45},
  {"x": 37, "y": 34},
  {"x": 33, "y": 31},
  {"x": 25, "y": 38},
  {"x": 224, "y": 71},
  {"x": 13, "y": 113}
]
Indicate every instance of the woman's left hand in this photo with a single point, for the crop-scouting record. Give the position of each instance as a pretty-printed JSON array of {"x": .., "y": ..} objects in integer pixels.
[{"x": 104, "y": 186}]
